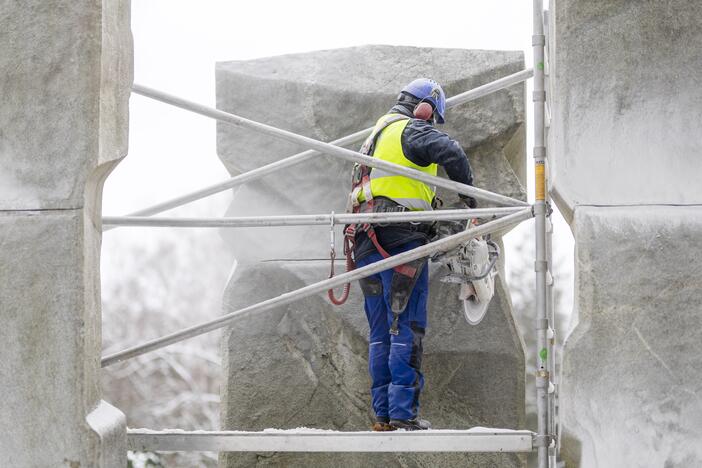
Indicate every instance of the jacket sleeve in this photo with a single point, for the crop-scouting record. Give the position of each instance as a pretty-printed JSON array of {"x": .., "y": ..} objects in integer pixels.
[{"x": 424, "y": 145}]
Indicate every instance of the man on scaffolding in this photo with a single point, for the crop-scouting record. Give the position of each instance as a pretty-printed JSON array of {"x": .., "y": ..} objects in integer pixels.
[{"x": 396, "y": 299}]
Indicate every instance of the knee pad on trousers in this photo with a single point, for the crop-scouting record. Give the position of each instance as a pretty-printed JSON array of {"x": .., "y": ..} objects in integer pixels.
[
  {"x": 402, "y": 286},
  {"x": 417, "y": 347}
]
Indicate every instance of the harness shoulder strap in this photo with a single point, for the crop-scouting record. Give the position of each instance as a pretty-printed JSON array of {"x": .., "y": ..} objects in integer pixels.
[
  {"x": 361, "y": 174},
  {"x": 369, "y": 145}
]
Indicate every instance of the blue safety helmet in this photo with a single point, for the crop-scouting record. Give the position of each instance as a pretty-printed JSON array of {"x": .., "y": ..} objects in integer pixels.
[{"x": 430, "y": 91}]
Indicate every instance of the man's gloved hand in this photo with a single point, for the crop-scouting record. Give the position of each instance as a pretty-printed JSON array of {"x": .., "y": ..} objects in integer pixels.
[{"x": 470, "y": 202}]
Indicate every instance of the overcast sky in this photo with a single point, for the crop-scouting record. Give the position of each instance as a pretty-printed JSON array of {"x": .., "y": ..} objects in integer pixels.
[{"x": 177, "y": 42}]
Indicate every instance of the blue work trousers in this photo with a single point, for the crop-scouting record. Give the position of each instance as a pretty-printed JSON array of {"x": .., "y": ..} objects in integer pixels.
[{"x": 394, "y": 361}]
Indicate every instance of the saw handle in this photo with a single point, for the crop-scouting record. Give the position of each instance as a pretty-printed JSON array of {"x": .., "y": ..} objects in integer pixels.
[{"x": 491, "y": 265}]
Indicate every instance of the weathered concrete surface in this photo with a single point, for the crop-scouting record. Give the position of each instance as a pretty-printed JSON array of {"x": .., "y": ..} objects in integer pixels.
[
  {"x": 627, "y": 102},
  {"x": 626, "y": 108},
  {"x": 110, "y": 425},
  {"x": 67, "y": 72},
  {"x": 632, "y": 370},
  {"x": 312, "y": 94},
  {"x": 64, "y": 65},
  {"x": 306, "y": 364}
]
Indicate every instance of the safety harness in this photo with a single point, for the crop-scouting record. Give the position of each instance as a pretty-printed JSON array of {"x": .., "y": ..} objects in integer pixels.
[{"x": 361, "y": 183}]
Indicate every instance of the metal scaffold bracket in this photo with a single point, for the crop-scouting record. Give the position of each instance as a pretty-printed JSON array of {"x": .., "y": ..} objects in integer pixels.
[
  {"x": 538, "y": 40},
  {"x": 540, "y": 266},
  {"x": 543, "y": 441}
]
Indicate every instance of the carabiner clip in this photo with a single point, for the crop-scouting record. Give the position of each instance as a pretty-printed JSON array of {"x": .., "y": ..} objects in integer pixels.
[{"x": 332, "y": 235}]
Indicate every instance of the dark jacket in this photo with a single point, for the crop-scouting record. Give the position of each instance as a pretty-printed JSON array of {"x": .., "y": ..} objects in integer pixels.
[{"x": 423, "y": 145}]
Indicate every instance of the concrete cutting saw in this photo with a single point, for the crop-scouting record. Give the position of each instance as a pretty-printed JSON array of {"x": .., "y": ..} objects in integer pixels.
[{"x": 473, "y": 265}]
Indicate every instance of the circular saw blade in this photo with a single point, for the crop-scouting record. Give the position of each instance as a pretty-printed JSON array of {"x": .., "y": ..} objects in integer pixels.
[{"x": 474, "y": 311}]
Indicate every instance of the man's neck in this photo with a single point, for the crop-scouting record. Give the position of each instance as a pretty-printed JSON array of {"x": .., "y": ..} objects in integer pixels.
[{"x": 402, "y": 108}]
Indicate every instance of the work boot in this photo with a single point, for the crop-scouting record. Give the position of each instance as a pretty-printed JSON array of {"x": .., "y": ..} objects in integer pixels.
[
  {"x": 382, "y": 425},
  {"x": 415, "y": 424}
]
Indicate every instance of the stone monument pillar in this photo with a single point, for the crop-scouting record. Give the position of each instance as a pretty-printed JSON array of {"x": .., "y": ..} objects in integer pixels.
[
  {"x": 66, "y": 69},
  {"x": 625, "y": 159},
  {"x": 306, "y": 364}
]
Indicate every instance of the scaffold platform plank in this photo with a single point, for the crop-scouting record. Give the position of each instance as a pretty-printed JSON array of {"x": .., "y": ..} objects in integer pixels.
[{"x": 318, "y": 440}]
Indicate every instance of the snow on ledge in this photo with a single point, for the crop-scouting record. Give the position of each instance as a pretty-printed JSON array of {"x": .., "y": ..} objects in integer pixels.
[{"x": 312, "y": 430}]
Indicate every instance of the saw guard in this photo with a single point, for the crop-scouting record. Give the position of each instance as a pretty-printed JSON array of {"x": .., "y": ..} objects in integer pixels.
[
  {"x": 473, "y": 266},
  {"x": 477, "y": 300}
]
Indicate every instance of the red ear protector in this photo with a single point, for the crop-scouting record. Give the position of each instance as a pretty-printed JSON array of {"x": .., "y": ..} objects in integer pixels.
[{"x": 423, "y": 111}]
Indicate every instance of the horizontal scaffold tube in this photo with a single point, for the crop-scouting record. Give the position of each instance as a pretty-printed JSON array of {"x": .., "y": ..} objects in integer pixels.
[
  {"x": 276, "y": 440},
  {"x": 462, "y": 98},
  {"x": 309, "y": 220},
  {"x": 442, "y": 245}
]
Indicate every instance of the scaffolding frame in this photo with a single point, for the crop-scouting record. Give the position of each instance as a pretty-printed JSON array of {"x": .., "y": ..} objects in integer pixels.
[
  {"x": 510, "y": 213},
  {"x": 442, "y": 245},
  {"x": 299, "y": 158}
]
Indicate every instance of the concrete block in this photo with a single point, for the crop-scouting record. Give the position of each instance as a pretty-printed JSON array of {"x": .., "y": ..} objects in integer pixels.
[
  {"x": 314, "y": 359},
  {"x": 309, "y": 94},
  {"x": 48, "y": 372},
  {"x": 67, "y": 74},
  {"x": 632, "y": 369},
  {"x": 626, "y": 101},
  {"x": 110, "y": 425}
]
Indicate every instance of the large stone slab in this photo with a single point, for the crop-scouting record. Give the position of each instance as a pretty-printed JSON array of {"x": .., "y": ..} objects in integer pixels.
[
  {"x": 67, "y": 73},
  {"x": 312, "y": 94},
  {"x": 66, "y": 80},
  {"x": 632, "y": 369},
  {"x": 44, "y": 332},
  {"x": 306, "y": 364},
  {"x": 51, "y": 341},
  {"x": 627, "y": 102}
]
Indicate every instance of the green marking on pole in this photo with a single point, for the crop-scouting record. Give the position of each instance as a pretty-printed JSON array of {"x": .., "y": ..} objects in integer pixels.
[
  {"x": 543, "y": 354},
  {"x": 540, "y": 65}
]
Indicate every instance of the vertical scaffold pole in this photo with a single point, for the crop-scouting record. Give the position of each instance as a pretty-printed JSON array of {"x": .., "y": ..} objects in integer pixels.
[
  {"x": 550, "y": 278},
  {"x": 551, "y": 313},
  {"x": 538, "y": 42}
]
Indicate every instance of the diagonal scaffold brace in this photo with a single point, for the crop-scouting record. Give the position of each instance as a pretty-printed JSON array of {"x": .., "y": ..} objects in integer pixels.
[
  {"x": 326, "y": 148},
  {"x": 299, "y": 158},
  {"x": 441, "y": 245}
]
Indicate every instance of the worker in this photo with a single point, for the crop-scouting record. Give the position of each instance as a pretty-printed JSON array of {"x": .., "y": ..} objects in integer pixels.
[{"x": 395, "y": 300}]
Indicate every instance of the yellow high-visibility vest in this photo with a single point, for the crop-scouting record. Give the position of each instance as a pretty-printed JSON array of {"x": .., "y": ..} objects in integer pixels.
[{"x": 410, "y": 193}]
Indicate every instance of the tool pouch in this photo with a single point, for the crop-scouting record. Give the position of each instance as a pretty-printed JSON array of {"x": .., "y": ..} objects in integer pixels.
[{"x": 401, "y": 290}]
